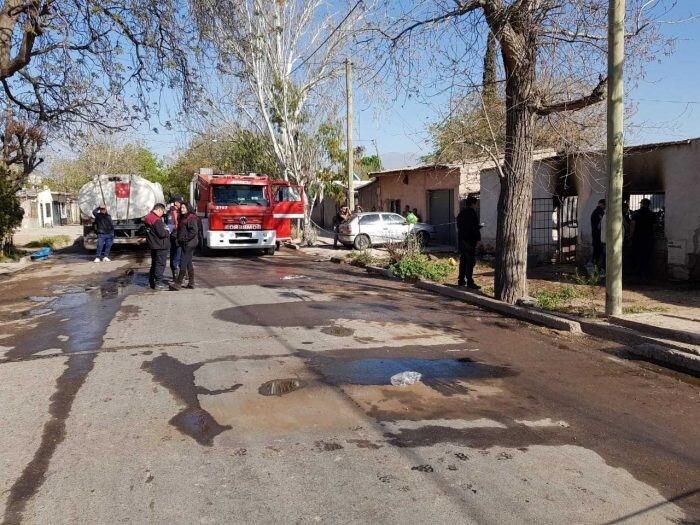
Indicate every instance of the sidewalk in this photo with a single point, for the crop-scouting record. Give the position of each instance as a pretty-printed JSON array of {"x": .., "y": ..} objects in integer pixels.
[{"x": 23, "y": 237}]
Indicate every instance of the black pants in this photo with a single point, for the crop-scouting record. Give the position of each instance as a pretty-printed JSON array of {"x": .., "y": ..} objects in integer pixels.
[
  {"x": 643, "y": 255},
  {"x": 467, "y": 260},
  {"x": 186, "y": 266},
  {"x": 158, "y": 260}
]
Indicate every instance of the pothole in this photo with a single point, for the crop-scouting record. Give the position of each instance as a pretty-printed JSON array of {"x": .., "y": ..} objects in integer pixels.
[
  {"x": 338, "y": 331},
  {"x": 280, "y": 387}
]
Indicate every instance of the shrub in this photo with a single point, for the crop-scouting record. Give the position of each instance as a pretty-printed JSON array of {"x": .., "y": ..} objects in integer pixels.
[
  {"x": 418, "y": 266},
  {"x": 362, "y": 258}
]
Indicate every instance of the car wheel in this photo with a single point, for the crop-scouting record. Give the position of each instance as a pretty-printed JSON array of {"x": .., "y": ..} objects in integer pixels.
[
  {"x": 269, "y": 251},
  {"x": 423, "y": 238},
  {"x": 362, "y": 242}
]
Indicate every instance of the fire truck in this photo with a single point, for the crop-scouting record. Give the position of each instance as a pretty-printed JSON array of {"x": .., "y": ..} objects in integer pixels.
[{"x": 245, "y": 211}]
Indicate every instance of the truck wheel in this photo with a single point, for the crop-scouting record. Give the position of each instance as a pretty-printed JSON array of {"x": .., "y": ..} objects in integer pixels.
[
  {"x": 362, "y": 242},
  {"x": 269, "y": 251}
]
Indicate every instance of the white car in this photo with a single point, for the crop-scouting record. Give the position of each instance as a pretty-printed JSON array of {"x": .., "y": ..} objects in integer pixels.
[{"x": 364, "y": 230}]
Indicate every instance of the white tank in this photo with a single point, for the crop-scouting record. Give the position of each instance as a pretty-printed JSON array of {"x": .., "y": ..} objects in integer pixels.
[{"x": 126, "y": 196}]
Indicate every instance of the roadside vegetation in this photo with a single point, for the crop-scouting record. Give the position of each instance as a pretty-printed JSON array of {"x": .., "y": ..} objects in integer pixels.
[
  {"x": 54, "y": 242},
  {"x": 11, "y": 254}
]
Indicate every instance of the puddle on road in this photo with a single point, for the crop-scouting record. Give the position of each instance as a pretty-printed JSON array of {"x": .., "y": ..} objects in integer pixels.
[
  {"x": 443, "y": 375},
  {"x": 178, "y": 378},
  {"x": 280, "y": 387},
  {"x": 85, "y": 316}
]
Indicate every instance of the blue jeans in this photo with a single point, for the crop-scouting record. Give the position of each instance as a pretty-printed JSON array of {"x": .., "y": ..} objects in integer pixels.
[
  {"x": 104, "y": 244},
  {"x": 175, "y": 253}
]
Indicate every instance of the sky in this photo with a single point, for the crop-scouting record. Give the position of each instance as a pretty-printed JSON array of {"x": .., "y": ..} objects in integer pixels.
[{"x": 667, "y": 102}]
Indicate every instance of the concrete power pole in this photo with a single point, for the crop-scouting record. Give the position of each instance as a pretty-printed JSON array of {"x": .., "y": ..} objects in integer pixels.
[
  {"x": 613, "y": 215},
  {"x": 351, "y": 153}
]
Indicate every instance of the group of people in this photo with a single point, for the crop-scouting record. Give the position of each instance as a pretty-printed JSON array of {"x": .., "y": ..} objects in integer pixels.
[
  {"x": 638, "y": 237},
  {"x": 176, "y": 232},
  {"x": 411, "y": 215}
]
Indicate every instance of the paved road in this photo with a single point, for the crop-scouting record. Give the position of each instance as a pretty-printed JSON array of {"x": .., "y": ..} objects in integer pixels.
[{"x": 125, "y": 405}]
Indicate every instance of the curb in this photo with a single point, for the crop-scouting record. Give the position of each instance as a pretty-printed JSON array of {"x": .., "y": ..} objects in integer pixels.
[
  {"x": 519, "y": 312},
  {"x": 663, "y": 352},
  {"x": 669, "y": 356},
  {"x": 660, "y": 331},
  {"x": 22, "y": 264}
]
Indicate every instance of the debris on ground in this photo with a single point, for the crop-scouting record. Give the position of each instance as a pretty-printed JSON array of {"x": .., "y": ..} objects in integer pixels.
[
  {"x": 423, "y": 468},
  {"x": 406, "y": 378}
]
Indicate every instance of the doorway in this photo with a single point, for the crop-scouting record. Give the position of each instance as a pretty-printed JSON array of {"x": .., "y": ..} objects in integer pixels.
[{"x": 441, "y": 215}]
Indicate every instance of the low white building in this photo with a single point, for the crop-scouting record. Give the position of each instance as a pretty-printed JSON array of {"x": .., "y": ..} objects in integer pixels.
[{"x": 45, "y": 208}]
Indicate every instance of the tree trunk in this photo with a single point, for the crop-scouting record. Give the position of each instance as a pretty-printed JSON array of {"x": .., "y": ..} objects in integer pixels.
[
  {"x": 308, "y": 231},
  {"x": 515, "y": 199}
]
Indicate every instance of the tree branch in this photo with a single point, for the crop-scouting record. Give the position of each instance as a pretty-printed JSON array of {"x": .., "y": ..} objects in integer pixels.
[
  {"x": 462, "y": 9},
  {"x": 597, "y": 95}
]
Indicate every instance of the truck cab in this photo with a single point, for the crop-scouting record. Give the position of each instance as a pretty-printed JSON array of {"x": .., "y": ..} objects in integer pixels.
[{"x": 245, "y": 211}]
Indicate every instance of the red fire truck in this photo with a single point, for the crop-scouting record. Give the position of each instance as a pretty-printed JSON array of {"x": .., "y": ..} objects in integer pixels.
[{"x": 245, "y": 211}]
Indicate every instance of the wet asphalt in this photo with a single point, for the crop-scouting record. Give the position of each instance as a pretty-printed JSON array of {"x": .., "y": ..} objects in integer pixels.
[{"x": 265, "y": 394}]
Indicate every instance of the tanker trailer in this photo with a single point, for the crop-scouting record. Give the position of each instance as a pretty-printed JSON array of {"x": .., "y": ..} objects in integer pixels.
[{"x": 128, "y": 199}]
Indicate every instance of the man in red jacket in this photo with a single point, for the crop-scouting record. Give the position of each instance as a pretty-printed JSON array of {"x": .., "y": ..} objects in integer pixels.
[{"x": 157, "y": 236}]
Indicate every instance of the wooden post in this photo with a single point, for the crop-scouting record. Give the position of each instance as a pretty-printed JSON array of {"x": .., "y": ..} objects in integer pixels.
[{"x": 615, "y": 154}]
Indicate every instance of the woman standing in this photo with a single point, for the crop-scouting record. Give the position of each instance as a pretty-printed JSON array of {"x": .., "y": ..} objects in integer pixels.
[{"x": 187, "y": 239}]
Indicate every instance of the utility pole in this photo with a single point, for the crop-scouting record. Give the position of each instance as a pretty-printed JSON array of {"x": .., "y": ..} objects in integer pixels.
[
  {"x": 351, "y": 153},
  {"x": 615, "y": 154}
]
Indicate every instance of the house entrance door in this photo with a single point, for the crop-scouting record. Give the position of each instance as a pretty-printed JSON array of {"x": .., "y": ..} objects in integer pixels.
[{"x": 441, "y": 215}]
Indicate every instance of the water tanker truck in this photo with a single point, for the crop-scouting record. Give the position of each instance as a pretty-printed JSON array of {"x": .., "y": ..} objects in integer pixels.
[{"x": 128, "y": 199}]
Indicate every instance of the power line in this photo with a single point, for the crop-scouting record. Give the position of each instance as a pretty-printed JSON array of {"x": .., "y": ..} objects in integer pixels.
[{"x": 328, "y": 37}]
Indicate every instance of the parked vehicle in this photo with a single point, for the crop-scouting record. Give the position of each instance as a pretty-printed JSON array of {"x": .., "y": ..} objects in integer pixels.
[
  {"x": 128, "y": 199},
  {"x": 364, "y": 230},
  {"x": 245, "y": 211}
]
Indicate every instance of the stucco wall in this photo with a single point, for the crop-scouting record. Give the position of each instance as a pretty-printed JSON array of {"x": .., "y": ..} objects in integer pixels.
[
  {"x": 544, "y": 186},
  {"x": 671, "y": 169},
  {"x": 413, "y": 190}
]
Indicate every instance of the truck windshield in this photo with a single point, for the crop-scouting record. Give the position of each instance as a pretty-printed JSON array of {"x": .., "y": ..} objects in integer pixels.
[{"x": 230, "y": 195}]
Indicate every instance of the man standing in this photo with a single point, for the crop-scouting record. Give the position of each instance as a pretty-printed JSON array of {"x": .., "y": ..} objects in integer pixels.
[
  {"x": 596, "y": 231},
  {"x": 105, "y": 233},
  {"x": 171, "y": 222},
  {"x": 341, "y": 216},
  {"x": 157, "y": 237},
  {"x": 468, "y": 237},
  {"x": 642, "y": 233}
]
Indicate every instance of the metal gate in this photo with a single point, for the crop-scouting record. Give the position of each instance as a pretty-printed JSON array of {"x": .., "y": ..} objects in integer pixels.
[{"x": 554, "y": 229}]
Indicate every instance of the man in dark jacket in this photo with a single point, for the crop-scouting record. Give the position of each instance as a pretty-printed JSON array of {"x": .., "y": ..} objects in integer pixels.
[
  {"x": 105, "y": 233},
  {"x": 157, "y": 237},
  {"x": 468, "y": 236},
  {"x": 643, "y": 221}
]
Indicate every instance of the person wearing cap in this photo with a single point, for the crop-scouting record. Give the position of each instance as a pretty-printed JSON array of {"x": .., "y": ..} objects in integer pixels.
[
  {"x": 105, "y": 233},
  {"x": 171, "y": 219}
]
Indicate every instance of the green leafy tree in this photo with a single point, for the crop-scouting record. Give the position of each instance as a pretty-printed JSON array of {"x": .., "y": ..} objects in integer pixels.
[
  {"x": 237, "y": 151},
  {"x": 11, "y": 213},
  {"x": 105, "y": 156}
]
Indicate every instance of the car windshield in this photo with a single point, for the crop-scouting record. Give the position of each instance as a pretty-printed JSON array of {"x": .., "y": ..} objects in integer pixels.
[{"x": 230, "y": 194}]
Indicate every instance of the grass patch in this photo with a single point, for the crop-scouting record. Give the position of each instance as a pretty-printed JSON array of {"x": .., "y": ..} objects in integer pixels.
[
  {"x": 12, "y": 254},
  {"x": 556, "y": 299},
  {"x": 642, "y": 309},
  {"x": 418, "y": 266},
  {"x": 362, "y": 258},
  {"x": 54, "y": 242}
]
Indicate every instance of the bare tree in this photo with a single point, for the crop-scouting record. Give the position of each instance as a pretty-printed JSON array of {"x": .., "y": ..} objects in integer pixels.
[
  {"x": 283, "y": 58},
  {"x": 550, "y": 49}
]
